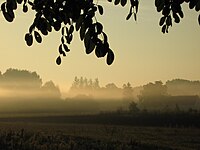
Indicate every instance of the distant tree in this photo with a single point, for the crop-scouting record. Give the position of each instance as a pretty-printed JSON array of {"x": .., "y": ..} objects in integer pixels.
[
  {"x": 75, "y": 83},
  {"x": 128, "y": 91},
  {"x": 90, "y": 83},
  {"x": 14, "y": 78},
  {"x": 50, "y": 90},
  {"x": 133, "y": 108},
  {"x": 183, "y": 87},
  {"x": 111, "y": 86},
  {"x": 68, "y": 15},
  {"x": 154, "y": 90},
  {"x": 96, "y": 84},
  {"x": 84, "y": 86},
  {"x": 151, "y": 94},
  {"x": 81, "y": 83},
  {"x": 86, "y": 83}
]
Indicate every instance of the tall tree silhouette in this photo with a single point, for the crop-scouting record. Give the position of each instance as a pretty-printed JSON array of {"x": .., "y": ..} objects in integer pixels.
[{"x": 80, "y": 15}]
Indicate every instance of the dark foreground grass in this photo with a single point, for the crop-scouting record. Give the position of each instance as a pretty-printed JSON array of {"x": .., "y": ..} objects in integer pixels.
[{"x": 53, "y": 136}]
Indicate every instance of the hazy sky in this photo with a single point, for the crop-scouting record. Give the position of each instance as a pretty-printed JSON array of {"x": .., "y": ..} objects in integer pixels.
[{"x": 143, "y": 53}]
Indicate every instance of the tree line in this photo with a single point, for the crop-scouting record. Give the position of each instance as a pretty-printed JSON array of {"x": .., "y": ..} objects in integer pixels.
[
  {"x": 87, "y": 95},
  {"x": 15, "y": 79},
  {"x": 178, "y": 93}
]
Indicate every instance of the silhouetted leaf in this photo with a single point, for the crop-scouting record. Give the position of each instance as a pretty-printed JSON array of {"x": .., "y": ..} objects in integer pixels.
[
  {"x": 66, "y": 48},
  {"x": 132, "y": 3},
  {"x": 3, "y": 7},
  {"x": 44, "y": 32},
  {"x": 159, "y": 4},
  {"x": 11, "y": 13},
  {"x": 166, "y": 11},
  {"x": 163, "y": 29},
  {"x": 167, "y": 28},
  {"x": 117, "y": 2},
  {"x": 199, "y": 19},
  {"x": 58, "y": 60},
  {"x": 63, "y": 31},
  {"x": 86, "y": 39},
  {"x": 197, "y": 8},
  {"x": 90, "y": 47},
  {"x": 99, "y": 28},
  {"x": 82, "y": 32},
  {"x": 30, "y": 3},
  {"x": 169, "y": 21},
  {"x": 135, "y": 16},
  {"x": 100, "y": 50},
  {"x": 62, "y": 39},
  {"x": 31, "y": 28},
  {"x": 136, "y": 5},
  {"x": 8, "y": 17},
  {"x": 162, "y": 21},
  {"x": 57, "y": 25},
  {"x": 123, "y": 2},
  {"x": 176, "y": 18},
  {"x": 29, "y": 39},
  {"x": 110, "y": 57},
  {"x": 11, "y": 5},
  {"x": 19, "y": 1},
  {"x": 89, "y": 44},
  {"x": 129, "y": 16},
  {"x": 100, "y": 8},
  {"x": 38, "y": 38},
  {"x": 49, "y": 28},
  {"x": 181, "y": 14},
  {"x": 69, "y": 38},
  {"x": 14, "y": 4},
  {"x": 79, "y": 22},
  {"x": 71, "y": 29},
  {"x": 192, "y": 3},
  {"x": 7, "y": 12},
  {"x": 105, "y": 37},
  {"x": 61, "y": 50},
  {"x": 67, "y": 31},
  {"x": 25, "y": 8}
]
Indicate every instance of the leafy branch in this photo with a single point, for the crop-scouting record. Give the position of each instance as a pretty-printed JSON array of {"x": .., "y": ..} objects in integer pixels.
[{"x": 68, "y": 16}]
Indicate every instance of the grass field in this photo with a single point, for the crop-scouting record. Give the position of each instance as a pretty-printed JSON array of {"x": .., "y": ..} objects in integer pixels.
[{"x": 60, "y": 136}]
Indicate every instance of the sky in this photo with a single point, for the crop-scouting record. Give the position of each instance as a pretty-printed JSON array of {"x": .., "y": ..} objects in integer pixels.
[{"x": 142, "y": 53}]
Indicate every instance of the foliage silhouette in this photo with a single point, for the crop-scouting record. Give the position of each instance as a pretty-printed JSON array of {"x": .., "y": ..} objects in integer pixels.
[{"x": 80, "y": 15}]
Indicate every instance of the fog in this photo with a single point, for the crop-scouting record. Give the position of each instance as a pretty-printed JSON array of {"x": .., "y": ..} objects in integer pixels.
[{"x": 23, "y": 92}]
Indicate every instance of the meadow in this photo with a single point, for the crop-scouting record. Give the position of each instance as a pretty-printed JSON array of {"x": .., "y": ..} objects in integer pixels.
[{"x": 26, "y": 134}]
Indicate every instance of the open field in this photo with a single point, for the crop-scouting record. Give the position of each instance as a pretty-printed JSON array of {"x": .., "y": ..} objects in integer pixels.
[{"x": 34, "y": 135}]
